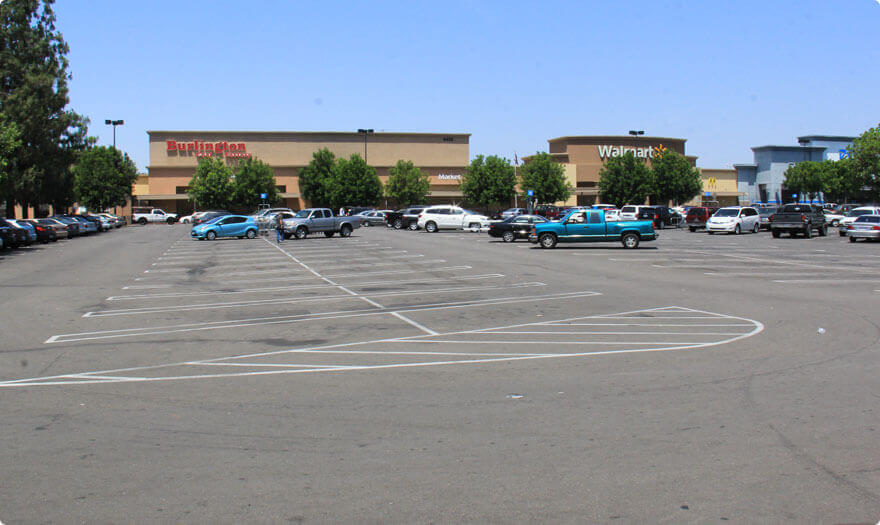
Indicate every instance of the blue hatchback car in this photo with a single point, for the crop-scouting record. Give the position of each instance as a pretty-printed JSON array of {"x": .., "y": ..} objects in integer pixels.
[{"x": 226, "y": 226}]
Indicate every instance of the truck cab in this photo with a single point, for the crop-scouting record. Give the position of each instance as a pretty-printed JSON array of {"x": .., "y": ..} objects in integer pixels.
[{"x": 591, "y": 226}]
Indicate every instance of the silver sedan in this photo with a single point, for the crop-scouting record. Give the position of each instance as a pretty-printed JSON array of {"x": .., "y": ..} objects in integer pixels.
[{"x": 865, "y": 227}]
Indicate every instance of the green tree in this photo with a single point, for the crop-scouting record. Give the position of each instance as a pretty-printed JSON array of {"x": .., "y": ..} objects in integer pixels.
[
  {"x": 865, "y": 154},
  {"x": 315, "y": 178},
  {"x": 489, "y": 181},
  {"x": 211, "y": 185},
  {"x": 842, "y": 180},
  {"x": 675, "y": 179},
  {"x": 9, "y": 142},
  {"x": 354, "y": 183},
  {"x": 546, "y": 178},
  {"x": 625, "y": 180},
  {"x": 252, "y": 178},
  {"x": 34, "y": 96},
  {"x": 407, "y": 184},
  {"x": 103, "y": 177},
  {"x": 807, "y": 178}
]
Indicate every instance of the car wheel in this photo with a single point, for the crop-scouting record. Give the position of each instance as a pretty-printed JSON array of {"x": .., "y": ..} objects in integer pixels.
[
  {"x": 808, "y": 231},
  {"x": 736, "y": 230},
  {"x": 756, "y": 228},
  {"x": 630, "y": 240},
  {"x": 211, "y": 235},
  {"x": 710, "y": 232},
  {"x": 776, "y": 234},
  {"x": 398, "y": 224},
  {"x": 329, "y": 234},
  {"x": 345, "y": 231},
  {"x": 852, "y": 239},
  {"x": 413, "y": 226},
  {"x": 431, "y": 227},
  {"x": 301, "y": 232},
  {"x": 142, "y": 221},
  {"x": 474, "y": 226},
  {"x": 251, "y": 234},
  {"x": 823, "y": 231},
  {"x": 692, "y": 229},
  {"x": 170, "y": 220},
  {"x": 841, "y": 233},
  {"x": 835, "y": 223},
  {"x": 547, "y": 240},
  {"x": 508, "y": 236}
]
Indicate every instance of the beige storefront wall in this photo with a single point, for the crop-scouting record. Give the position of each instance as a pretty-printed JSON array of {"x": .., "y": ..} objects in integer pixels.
[{"x": 174, "y": 156}]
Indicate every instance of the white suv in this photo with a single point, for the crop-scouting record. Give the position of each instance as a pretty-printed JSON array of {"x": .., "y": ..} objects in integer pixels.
[
  {"x": 631, "y": 212},
  {"x": 734, "y": 219},
  {"x": 435, "y": 218}
]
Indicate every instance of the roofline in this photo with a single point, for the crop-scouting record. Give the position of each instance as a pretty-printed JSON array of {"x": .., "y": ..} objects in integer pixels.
[
  {"x": 340, "y": 133},
  {"x": 614, "y": 137},
  {"x": 828, "y": 137},
  {"x": 745, "y": 166},
  {"x": 793, "y": 148}
]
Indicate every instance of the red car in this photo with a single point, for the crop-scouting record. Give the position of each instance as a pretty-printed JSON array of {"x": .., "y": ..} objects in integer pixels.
[{"x": 698, "y": 216}]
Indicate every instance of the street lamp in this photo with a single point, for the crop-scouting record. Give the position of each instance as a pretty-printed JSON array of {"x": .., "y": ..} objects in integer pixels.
[
  {"x": 114, "y": 123},
  {"x": 365, "y": 132},
  {"x": 636, "y": 133}
]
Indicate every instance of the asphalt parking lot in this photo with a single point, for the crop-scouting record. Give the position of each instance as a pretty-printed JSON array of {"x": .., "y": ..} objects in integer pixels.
[{"x": 412, "y": 377}]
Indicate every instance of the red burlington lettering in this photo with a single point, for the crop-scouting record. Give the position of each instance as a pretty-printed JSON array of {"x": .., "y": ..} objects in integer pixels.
[
  {"x": 171, "y": 144},
  {"x": 241, "y": 146}
]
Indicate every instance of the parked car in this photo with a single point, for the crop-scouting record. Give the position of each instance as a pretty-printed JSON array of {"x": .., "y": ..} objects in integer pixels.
[
  {"x": 765, "y": 212},
  {"x": 734, "y": 219},
  {"x": 512, "y": 212},
  {"x": 7, "y": 237},
  {"x": 854, "y": 214},
  {"x": 698, "y": 216},
  {"x": 74, "y": 227},
  {"x": 319, "y": 220},
  {"x": 591, "y": 226},
  {"x": 373, "y": 217},
  {"x": 447, "y": 217},
  {"x": 795, "y": 219},
  {"x": 143, "y": 215},
  {"x": 611, "y": 211},
  {"x": 85, "y": 225},
  {"x": 404, "y": 218},
  {"x": 548, "y": 211},
  {"x": 209, "y": 215},
  {"x": 264, "y": 217},
  {"x": 832, "y": 218},
  {"x": 45, "y": 234},
  {"x": 61, "y": 229},
  {"x": 240, "y": 226},
  {"x": 632, "y": 212},
  {"x": 864, "y": 227},
  {"x": 17, "y": 236},
  {"x": 26, "y": 226},
  {"x": 664, "y": 216},
  {"x": 514, "y": 228}
]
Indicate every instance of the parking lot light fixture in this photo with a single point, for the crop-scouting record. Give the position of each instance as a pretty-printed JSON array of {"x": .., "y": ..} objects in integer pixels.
[
  {"x": 365, "y": 132},
  {"x": 114, "y": 123}
]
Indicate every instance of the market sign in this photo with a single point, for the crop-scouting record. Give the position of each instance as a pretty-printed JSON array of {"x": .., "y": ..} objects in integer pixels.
[
  {"x": 449, "y": 176},
  {"x": 208, "y": 149}
]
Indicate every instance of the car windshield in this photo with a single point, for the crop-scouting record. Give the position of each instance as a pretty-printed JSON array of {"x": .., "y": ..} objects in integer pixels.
[
  {"x": 726, "y": 213},
  {"x": 302, "y": 214},
  {"x": 214, "y": 219},
  {"x": 469, "y": 212},
  {"x": 859, "y": 213},
  {"x": 766, "y": 212},
  {"x": 869, "y": 218}
]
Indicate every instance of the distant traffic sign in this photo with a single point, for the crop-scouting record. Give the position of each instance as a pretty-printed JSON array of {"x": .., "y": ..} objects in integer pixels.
[
  {"x": 531, "y": 193},
  {"x": 262, "y": 195}
]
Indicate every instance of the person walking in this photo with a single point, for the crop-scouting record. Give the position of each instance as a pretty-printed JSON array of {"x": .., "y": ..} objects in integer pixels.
[
  {"x": 279, "y": 228},
  {"x": 342, "y": 212}
]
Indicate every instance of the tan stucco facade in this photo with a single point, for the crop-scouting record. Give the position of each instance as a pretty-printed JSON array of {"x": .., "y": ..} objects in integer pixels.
[
  {"x": 174, "y": 156},
  {"x": 584, "y": 156},
  {"x": 721, "y": 186}
]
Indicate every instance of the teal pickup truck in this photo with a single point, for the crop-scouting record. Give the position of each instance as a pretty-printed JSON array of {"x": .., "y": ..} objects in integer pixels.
[{"x": 591, "y": 226}]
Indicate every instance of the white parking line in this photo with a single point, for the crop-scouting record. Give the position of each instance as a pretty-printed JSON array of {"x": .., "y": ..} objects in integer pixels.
[
  {"x": 213, "y": 325},
  {"x": 116, "y": 375}
]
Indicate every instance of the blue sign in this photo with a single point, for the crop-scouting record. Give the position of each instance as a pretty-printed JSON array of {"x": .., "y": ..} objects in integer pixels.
[
  {"x": 262, "y": 195},
  {"x": 794, "y": 195},
  {"x": 531, "y": 193},
  {"x": 707, "y": 194}
]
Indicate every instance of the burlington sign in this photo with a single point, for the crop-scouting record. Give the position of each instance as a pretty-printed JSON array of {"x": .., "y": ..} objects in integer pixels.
[{"x": 207, "y": 149}]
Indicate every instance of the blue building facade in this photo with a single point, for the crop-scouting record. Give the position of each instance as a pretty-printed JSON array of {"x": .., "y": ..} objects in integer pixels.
[{"x": 762, "y": 181}]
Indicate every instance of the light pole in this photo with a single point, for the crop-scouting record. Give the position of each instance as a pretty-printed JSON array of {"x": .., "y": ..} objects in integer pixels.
[
  {"x": 365, "y": 132},
  {"x": 636, "y": 133},
  {"x": 114, "y": 123}
]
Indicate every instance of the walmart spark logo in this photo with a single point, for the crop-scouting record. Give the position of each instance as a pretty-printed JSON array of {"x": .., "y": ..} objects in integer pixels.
[{"x": 661, "y": 149}]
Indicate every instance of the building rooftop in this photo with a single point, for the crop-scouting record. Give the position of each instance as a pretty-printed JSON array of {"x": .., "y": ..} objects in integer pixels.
[{"x": 338, "y": 133}]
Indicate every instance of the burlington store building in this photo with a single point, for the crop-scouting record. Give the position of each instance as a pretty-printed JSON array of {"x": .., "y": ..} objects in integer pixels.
[{"x": 174, "y": 156}]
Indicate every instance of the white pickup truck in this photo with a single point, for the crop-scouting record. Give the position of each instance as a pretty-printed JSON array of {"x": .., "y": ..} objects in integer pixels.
[{"x": 145, "y": 215}]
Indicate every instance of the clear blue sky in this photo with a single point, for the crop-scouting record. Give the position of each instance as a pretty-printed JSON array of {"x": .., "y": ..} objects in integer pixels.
[{"x": 724, "y": 75}]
